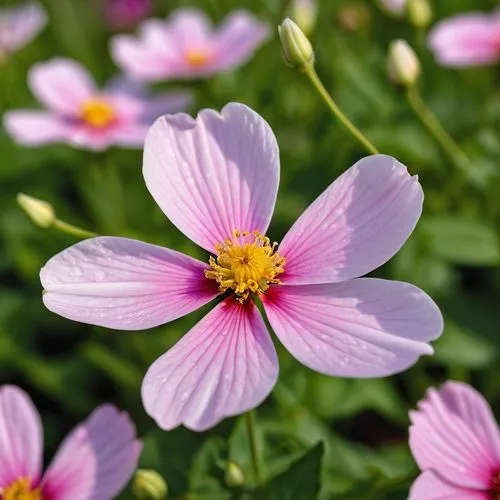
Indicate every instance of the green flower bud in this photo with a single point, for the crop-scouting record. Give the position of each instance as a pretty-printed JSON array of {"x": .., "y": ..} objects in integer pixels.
[
  {"x": 40, "y": 212},
  {"x": 419, "y": 13},
  {"x": 305, "y": 13},
  {"x": 234, "y": 475},
  {"x": 297, "y": 49},
  {"x": 149, "y": 485},
  {"x": 403, "y": 66}
]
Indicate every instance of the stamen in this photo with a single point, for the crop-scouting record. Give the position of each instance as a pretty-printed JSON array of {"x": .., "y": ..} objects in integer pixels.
[
  {"x": 21, "y": 489},
  {"x": 246, "y": 263},
  {"x": 97, "y": 113},
  {"x": 197, "y": 57}
]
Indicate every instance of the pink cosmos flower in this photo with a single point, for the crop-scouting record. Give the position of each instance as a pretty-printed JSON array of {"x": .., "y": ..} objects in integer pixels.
[
  {"x": 19, "y": 25},
  {"x": 471, "y": 39},
  {"x": 456, "y": 443},
  {"x": 94, "y": 462},
  {"x": 81, "y": 115},
  {"x": 126, "y": 13},
  {"x": 187, "y": 46},
  {"x": 216, "y": 178}
]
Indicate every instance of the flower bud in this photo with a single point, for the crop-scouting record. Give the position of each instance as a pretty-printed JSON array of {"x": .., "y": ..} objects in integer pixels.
[
  {"x": 40, "y": 212},
  {"x": 297, "y": 49},
  {"x": 403, "y": 66},
  {"x": 419, "y": 13},
  {"x": 234, "y": 475},
  {"x": 305, "y": 13},
  {"x": 354, "y": 17},
  {"x": 149, "y": 485}
]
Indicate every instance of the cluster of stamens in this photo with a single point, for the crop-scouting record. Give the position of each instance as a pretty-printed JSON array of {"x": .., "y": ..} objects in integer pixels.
[
  {"x": 246, "y": 263},
  {"x": 21, "y": 489},
  {"x": 97, "y": 113}
]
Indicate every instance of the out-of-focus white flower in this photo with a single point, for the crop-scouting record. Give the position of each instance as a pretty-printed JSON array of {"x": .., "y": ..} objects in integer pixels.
[{"x": 19, "y": 25}]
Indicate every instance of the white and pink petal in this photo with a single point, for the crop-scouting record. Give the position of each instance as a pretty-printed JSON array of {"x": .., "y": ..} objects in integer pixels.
[
  {"x": 360, "y": 328},
  {"x": 448, "y": 442},
  {"x": 225, "y": 365},
  {"x": 357, "y": 224},
  {"x": 34, "y": 128},
  {"x": 238, "y": 37},
  {"x": 124, "y": 284},
  {"x": 61, "y": 85},
  {"x": 213, "y": 174},
  {"x": 96, "y": 460},
  {"x": 429, "y": 486},
  {"x": 21, "y": 437}
]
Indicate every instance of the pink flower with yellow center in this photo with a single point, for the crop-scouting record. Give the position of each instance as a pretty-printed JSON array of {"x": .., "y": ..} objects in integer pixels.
[
  {"x": 80, "y": 114},
  {"x": 188, "y": 46},
  {"x": 471, "y": 39},
  {"x": 456, "y": 443},
  {"x": 94, "y": 462},
  {"x": 19, "y": 25},
  {"x": 216, "y": 178}
]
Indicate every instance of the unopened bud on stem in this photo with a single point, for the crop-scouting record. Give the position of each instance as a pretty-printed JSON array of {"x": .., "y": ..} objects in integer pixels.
[
  {"x": 403, "y": 66},
  {"x": 40, "y": 212},
  {"x": 149, "y": 485},
  {"x": 234, "y": 475},
  {"x": 305, "y": 13},
  {"x": 419, "y": 13},
  {"x": 296, "y": 47}
]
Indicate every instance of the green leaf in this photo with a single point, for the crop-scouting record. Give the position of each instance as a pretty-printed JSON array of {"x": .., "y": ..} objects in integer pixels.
[
  {"x": 461, "y": 241},
  {"x": 301, "y": 480}
]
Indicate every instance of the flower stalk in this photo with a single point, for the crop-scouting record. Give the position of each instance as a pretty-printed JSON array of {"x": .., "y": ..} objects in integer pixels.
[
  {"x": 43, "y": 215},
  {"x": 434, "y": 127},
  {"x": 313, "y": 77},
  {"x": 254, "y": 448},
  {"x": 299, "y": 54}
]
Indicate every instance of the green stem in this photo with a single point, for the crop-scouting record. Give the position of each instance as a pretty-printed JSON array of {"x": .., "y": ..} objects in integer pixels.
[
  {"x": 429, "y": 120},
  {"x": 336, "y": 111},
  {"x": 254, "y": 451},
  {"x": 72, "y": 230},
  {"x": 115, "y": 188}
]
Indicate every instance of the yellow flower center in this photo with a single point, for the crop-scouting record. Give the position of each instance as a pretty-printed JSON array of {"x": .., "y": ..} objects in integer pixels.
[
  {"x": 21, "y": 489},
  {"x": 247, "y": 263},
  {"x": 97, "y": 113},
  {"x": 197, "y": 57}
]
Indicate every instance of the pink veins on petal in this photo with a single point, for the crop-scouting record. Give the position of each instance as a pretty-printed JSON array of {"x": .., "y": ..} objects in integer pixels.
[{"x": 216, "y": 178}]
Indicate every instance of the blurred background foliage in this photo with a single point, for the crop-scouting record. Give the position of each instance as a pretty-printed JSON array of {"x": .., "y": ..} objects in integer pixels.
[{"x": 454, "y": 254}]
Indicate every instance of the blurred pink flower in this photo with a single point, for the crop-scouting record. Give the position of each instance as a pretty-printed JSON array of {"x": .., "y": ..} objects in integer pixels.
[
  {"x": 94, "y": 462},
  {"x": 456, "y": 443},
  {"x": 81, "y": 115},
  {"x": 126, "y": 13},
  {"x": 471, "y": 39},
  {"x": 19, "y": 25},
  {"x": 187, "y": 46},
  {"x": 216, "y": 178},
  {"x": 395, "y": 7}
]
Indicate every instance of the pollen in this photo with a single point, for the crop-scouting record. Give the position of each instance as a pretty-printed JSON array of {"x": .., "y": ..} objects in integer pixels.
[
  {"x": 197, "y": 58},
  {"x": 246, "y": 263},
  {"x": 21, "y": 489},
  {"x": 97, "y": 113}
]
